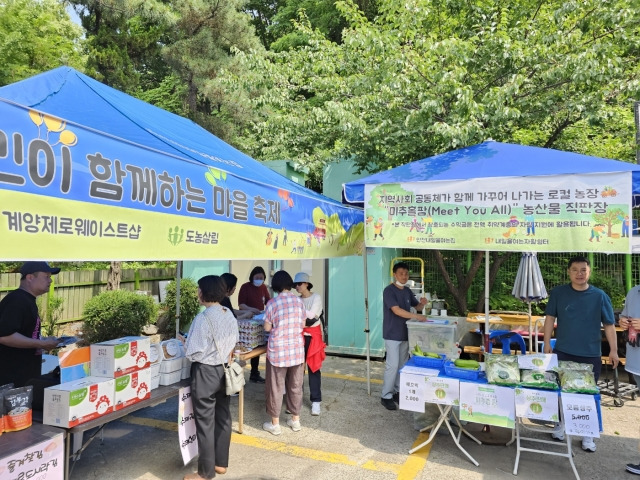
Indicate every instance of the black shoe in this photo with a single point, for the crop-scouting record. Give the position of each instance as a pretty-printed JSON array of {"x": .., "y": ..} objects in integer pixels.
[
  {"x": 396, "y": 397},
  {"x": 631, "y": 468},
  {"x": 388, "y": 403},
  {"x": 257, "y": 379}
]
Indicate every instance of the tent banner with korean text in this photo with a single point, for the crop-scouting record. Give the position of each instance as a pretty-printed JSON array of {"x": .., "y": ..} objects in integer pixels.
[
  {"x": 70, "y": 192},
  {"x": 554, "y": 213}
]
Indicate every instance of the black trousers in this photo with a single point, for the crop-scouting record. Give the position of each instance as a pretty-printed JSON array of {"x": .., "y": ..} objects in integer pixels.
[
  {"x": 315, "y": 378},
  {"x": 213, "y": 417}
]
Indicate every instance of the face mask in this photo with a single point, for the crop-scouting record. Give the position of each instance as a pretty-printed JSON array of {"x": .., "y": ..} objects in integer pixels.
[
  {"x": 257, "y": 283},
  {"x": 400, "y": 284}
]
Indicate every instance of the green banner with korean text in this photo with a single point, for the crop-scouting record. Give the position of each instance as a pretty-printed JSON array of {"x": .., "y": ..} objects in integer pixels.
[{"x": 557, "y": 213}]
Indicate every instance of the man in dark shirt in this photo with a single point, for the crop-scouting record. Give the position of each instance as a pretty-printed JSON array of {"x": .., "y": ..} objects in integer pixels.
[
  {"x": 20, "y": 343},
  {"x": 397, "y": 301}
]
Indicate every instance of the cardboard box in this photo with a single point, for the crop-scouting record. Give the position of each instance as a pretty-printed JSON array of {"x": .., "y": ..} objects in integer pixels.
[
  {"x": 121, "y": 356},
  {"x": 72, "y": 403},
  {"x": 132, "y": 388},
  {"x": 74, "y": 364}
]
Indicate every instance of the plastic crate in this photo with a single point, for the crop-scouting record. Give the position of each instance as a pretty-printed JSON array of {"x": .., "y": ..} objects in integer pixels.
[
  {"x": 429, "y": 362},
  {"x": 466, "y": 374},
  {"x": 434, "y": 337}
]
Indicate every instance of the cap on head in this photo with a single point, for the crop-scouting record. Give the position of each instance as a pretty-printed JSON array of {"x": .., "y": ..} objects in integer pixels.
[
  {"x": 33, "y": 267},
  {"x": 301, "y": 277}
]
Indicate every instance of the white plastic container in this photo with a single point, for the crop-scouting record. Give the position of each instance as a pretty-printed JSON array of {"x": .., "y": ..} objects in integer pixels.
[
  {"x": 155, "y": 382},
  {"x": 170, "y": 378},
  {"x": 171, "y": 349},
  {"x": 169, "y": 366},
  {"x": 155, "y": 369},
  {"x": 155, "y": 355}
]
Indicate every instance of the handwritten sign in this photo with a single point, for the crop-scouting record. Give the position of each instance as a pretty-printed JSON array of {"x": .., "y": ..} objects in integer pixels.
[
  {"x": 537, "y": 404},
  {"x": 412, "y": 392},
  {"x": 442, "y": 390},
  {"x": 43, "y": 461},
  {"x": 580, "y": 415},
  {"x": 538, "y": 361},
  {"x": 187, "y": 426},
  {"x": 487, "y": 404}
]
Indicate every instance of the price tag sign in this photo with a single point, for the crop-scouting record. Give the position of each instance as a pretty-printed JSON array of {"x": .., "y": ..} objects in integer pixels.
[
  {"x": 187, "y": 426},
  {"x": 580, "y": 415},
  {"x": 412, "y": 392},
  {"x": 487, "y": 404},
  {"x": 538, "y": 361},
  {"x": 537, "y": 404},
  {"x": 442, "y": 390},
  {"x": 43, "y": 461}
]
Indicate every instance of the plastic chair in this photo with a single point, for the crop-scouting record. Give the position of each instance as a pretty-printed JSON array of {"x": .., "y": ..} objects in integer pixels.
[{"x": 507, "y": 337}]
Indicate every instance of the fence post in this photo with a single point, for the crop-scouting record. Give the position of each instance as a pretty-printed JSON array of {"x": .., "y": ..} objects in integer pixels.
[
  {"x": 136, "y": 279},
  {"x": 627, "y": 272}
]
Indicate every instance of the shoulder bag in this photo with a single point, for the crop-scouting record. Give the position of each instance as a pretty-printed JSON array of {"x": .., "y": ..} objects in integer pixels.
[{"x": 233, "y": 373}]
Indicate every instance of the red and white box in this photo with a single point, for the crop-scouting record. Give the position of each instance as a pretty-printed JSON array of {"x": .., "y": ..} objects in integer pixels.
[
  {"x": 72, "y": 403},
  {"x": 121, "y": 356},
  {"x": 132, "y": 388}
]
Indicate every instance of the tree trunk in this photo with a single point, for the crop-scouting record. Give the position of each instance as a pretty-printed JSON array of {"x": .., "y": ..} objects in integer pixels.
[
  {"x": 464, "y": 281},
  {"x": 497, "y": 261},
  {"x": 115, "y": 274}
]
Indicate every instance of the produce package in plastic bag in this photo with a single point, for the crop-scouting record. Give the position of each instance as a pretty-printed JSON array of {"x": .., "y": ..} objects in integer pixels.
[
  {"x": 539, "y": 379},
  {"x": 502, "y": 369},
  {"x": 578, "y": 381},
  {"x": 568, "y": 365}
]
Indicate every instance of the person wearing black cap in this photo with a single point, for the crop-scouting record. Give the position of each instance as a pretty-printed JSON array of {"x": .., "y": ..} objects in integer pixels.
[{"x": 21, "y": 346}]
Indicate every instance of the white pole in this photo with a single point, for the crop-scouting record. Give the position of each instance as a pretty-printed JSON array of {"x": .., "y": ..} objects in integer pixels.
[
  {"x": 178, "y": 277},
  {"x": 366, "y": 318},
  {"x": 486, "y": 300}
]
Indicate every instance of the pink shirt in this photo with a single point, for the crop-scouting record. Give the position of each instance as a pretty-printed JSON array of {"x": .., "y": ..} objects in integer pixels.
[{"x": 287, "y": 315}]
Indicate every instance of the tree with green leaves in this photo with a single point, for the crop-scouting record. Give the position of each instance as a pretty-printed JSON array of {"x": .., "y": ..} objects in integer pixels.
[
  {"x": 37, "y": 35},
  {"x": 429, "y": 76}
]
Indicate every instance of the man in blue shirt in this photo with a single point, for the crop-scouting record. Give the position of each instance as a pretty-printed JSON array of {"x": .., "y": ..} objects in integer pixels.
[
  {"x": 397, "y": 303},
  {"x": 579, "y": 310}
]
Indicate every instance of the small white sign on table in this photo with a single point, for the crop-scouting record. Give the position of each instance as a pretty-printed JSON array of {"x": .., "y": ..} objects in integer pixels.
[
  {"x": 187, "y": 426},
  {"x": 42, "y": 461},
  {"x": 442, "y": 390},
  {"x": 538, "y": 361},
  {"x": 580, "y": 415},
  {"x": 537, "y": 404},
  {"x": 412, "y": 392},
  {"x": 487, "y": 404}
]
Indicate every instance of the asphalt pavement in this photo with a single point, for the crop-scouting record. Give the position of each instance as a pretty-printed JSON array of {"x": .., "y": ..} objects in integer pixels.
[{"x": 355, "y": 437}]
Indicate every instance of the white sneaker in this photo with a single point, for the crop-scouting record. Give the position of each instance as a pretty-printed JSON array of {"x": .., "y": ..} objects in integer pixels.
[
  {"x": 558, "y": 436},
  {"x": 588, "y": 445},
  {"x": 315, "y": 408},
  {"x": 271, "y": 428},
  {"x": 294, "y": 424}
]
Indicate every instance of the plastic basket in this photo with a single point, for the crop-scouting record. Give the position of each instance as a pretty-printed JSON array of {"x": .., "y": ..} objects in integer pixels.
[
  {"x": 429, "y": 362},
  {"x": 452, "y": 371}
]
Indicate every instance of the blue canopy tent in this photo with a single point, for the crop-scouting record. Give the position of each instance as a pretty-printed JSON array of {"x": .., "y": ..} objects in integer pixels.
[
  {"x": 500, "y": 196},
  {"x": 90, "y": 173},
  {"x": 100, "y": 175}
]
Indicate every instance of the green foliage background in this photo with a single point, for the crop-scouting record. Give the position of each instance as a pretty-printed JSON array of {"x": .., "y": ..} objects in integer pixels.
[{"x": 117, "y": 313}]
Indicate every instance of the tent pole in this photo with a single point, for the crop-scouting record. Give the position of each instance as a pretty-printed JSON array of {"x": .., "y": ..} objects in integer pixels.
[
  {"x": 486, "y": 301},
  {"x": 178, "y": 277},
  {"x": 366, "y": 318},
  {"x": 533, "y": 342}
]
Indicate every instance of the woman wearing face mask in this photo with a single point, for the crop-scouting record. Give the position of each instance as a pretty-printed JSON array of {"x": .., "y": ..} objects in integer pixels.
[{"x": 253, "y": 297}]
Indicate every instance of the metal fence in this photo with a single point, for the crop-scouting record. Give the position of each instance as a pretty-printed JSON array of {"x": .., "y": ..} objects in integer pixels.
[{"x": 75, "y": 288}]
